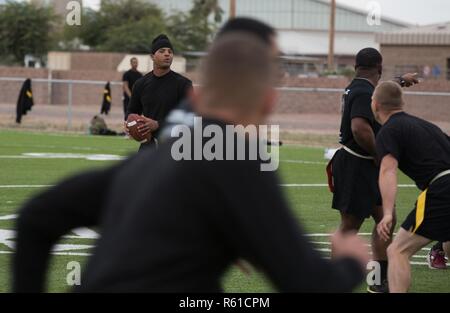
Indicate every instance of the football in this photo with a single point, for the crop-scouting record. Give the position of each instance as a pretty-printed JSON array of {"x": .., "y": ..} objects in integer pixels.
[{"x": 133, "y": 122}]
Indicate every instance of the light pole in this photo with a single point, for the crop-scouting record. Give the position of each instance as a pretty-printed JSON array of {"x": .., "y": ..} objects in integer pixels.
[
  {"x": 331, "y": 35},
  {"x": 232, "y": 9}
]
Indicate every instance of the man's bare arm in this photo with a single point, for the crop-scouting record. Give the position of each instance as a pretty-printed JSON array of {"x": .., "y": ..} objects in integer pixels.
[
  {"x": 363, "y": 134},
  {"x": 388, "y": 189}
]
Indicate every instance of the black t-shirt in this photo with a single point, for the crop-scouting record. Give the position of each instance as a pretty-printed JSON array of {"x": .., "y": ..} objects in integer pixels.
[
  {"x": 169, "y": 226},
  {"x": 155, "y": 97},
  {"x": 131, "y": 77},
  {"x": 182, "y": 114},
  {"x": 356, "y": 102},
  {"x": 421, "y": 148}
]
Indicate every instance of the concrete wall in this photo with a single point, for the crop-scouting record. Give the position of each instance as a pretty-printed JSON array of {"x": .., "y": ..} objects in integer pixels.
[
  {"x": 91, "y": 61},
  {"x": 436, "y": 108},
  {"x": 419, "y": 56}
]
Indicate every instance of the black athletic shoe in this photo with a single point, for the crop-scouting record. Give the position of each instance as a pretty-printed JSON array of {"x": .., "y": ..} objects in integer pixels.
[{"x": 383, "y": 288}]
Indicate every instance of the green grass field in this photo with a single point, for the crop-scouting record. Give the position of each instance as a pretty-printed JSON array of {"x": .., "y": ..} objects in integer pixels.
[{"x": 23, "y": 175}]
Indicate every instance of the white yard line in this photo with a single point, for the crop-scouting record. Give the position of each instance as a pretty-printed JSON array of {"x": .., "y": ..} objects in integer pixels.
[
  {"x": 327, "y": 243},
  {"x": 326, "y": 185},
  {"x": 414, "y": 256},
  {"x": 14, "y": 157},
  {"x": 304, "y": 162},
  {"x": 25, "y": 186},
  {"x": 57, "y": 253},
  {"x": 330, "y": 234},
  {"x": 89, "y": 234},
  {"x": 90, "y": 254},
  {"x": 304, "y": 185},
  {"x": 281, "y": 185},
  {"x": 8, "y": 217},
  {"x": 47, "y": 155}
]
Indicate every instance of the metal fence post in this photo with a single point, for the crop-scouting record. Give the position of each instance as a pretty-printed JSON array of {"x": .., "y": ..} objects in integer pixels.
[{"x": 69, "y": 108}]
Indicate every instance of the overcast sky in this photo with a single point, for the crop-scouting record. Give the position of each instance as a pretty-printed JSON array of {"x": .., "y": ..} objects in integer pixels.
[{"x": 411, "y": 11}]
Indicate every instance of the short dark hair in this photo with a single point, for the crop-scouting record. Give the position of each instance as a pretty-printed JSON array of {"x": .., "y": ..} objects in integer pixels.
[
  {"x": 368, "y": 58},
  {"x": 389, "y": 95},
  {"x": 249, "y": 25},
  {"x": 237, "y": 71}
]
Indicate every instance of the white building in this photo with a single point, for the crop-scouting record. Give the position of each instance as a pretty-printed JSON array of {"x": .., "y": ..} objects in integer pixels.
[{"x": 303, "y": 25}]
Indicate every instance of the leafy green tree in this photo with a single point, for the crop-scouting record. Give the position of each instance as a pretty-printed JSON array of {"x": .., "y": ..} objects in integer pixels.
[
  {"x": 205, "y": 8},
  {"x": 194, "y": 30},
  {"x": 133, "y": 36},
  {"x": 25, "y": 29},
  {"x": 90, "y": 32},
  {"x": 122, "y": 26},
  {"x": 130, "y": 26}
]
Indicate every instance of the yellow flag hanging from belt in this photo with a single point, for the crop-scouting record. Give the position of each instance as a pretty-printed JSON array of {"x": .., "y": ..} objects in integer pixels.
[{"x": 420, "y": 209}]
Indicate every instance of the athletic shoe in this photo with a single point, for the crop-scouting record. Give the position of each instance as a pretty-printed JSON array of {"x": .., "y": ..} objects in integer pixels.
[
  {"x": 436, "y": 259},
  {"x": 383, "y": 288}
]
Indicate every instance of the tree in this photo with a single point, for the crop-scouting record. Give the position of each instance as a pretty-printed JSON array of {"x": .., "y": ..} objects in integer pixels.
[
  {"x": 90, "y": 32},
  {"x": 121, "y": 25},
  {"x": 133, "y": 36},
  {"x": 194, "y": 31},
  {"x": 205, "y": 8},
  {"x": 25, "y": 29},
  {"x": 130, "y": 26}
]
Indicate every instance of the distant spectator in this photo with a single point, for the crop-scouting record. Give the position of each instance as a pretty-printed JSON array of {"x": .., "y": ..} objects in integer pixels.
[
  {"x": 426, "y": 71},
  {"x": 436, "y": 71},
  {"x": 129, "y": 78}
]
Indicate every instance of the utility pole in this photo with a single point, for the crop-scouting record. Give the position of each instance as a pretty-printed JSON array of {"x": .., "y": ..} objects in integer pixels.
[
  {"x": 232, "y": 9},
  {"x": 331, "y": 35}
]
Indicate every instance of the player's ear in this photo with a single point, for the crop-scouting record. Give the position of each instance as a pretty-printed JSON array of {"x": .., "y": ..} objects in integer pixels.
[
  {"x": 152, "y": 56},
  {"x": 270, "y": 101},
  {"x": 194, "y": 97},
  {"x": 380, "y": 69},
  {"x": 374, "y": 106}
]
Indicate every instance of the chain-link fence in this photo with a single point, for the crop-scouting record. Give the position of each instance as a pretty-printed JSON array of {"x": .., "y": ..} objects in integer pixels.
[{"x": 302, "y": 107}]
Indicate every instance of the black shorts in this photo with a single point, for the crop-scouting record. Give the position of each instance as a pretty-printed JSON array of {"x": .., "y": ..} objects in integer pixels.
[
  {"x": 356, "y": 190},
  {"x": 436, "y": 217}
]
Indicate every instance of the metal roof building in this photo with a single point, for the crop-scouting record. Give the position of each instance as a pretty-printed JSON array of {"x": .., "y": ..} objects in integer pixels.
[{"x": 303, "y": 24}]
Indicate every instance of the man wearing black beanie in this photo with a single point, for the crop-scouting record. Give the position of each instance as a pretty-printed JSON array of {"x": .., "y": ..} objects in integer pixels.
[
  {"x": 158, "y": 92},
  {"x": 184, "y": 112}
]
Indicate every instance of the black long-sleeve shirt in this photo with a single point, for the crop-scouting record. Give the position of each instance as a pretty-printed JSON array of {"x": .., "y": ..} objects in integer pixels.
[
  {"x": 170, "y": 226},
  {"x": 155, "y": 96}
]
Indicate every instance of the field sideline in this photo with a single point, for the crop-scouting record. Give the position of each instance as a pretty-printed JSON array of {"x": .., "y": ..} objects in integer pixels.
[{"x": 30, "y": 162}]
